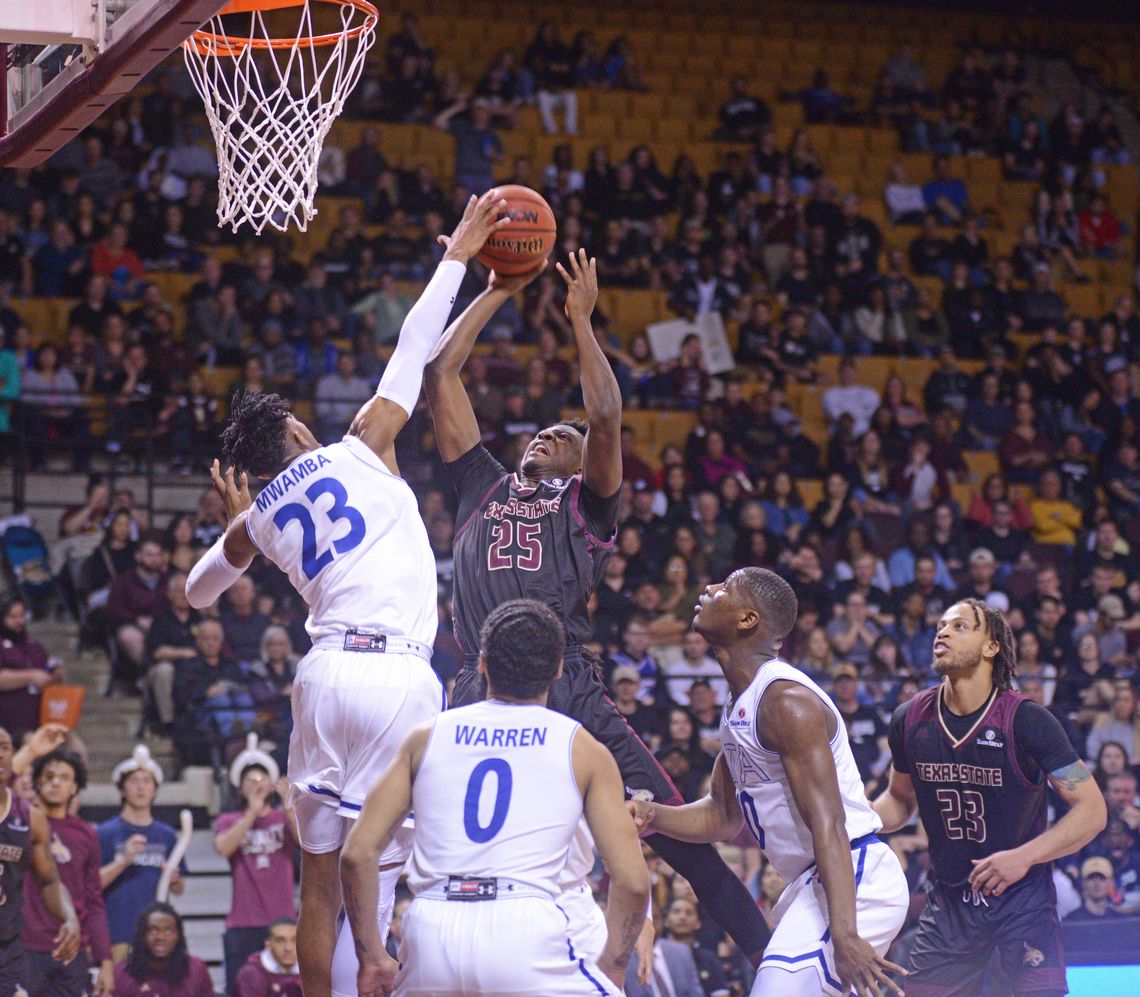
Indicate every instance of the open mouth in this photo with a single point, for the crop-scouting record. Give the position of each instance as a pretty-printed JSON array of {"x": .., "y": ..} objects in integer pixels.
[
  {"x": 540, "y": 448},
  {"x": 940, "y": 648}
]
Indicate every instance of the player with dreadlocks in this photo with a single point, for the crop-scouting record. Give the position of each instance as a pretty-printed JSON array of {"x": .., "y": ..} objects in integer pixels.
[
  {"x": 973, "y": 758},
  {"x": 345, "y": 527}
]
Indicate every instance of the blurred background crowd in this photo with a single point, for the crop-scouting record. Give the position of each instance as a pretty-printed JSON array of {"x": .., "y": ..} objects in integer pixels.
[{"x": 926, "y": 282}]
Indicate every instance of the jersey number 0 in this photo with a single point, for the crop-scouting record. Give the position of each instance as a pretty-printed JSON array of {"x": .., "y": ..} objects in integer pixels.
[
  {"x": 480, "y": 833},
  {"x": 313, "y": 563}
]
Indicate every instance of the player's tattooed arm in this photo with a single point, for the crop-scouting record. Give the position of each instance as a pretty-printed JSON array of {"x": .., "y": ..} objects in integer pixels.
[
  {"x": 602, "y": 793},
  {"x": 1085, "y": 820},
  {"x": 1071, "y": 776}
]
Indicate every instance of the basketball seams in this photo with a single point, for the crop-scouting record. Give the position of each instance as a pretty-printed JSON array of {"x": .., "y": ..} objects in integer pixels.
[{"x": 529, "y": 238}]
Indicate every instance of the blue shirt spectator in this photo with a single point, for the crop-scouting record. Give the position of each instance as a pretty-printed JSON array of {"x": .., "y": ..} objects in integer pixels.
[{"x": 945, "y": 194}]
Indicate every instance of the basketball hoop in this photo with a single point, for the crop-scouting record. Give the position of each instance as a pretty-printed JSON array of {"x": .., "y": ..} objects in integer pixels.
[{"x": 271, "y": 100}]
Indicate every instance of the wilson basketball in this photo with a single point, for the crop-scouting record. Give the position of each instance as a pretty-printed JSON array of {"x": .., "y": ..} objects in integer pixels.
[{"x": 529, "y": 239}]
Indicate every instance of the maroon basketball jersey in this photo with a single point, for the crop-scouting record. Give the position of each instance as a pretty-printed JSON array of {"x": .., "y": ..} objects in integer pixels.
[
  {"x": 14, "y": 832},
  {"x": 973, "y": 798},
  {"x": 524, "y": 542}
]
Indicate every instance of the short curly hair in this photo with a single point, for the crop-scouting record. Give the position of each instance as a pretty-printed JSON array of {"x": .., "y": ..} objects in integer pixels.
[
  {"x": 522, "y": 642},
  {"x": 255, "y": 439}
]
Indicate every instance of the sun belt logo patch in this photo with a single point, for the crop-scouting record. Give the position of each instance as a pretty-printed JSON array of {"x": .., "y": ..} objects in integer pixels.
[
  {"x": 989, "y": 739},
  {"x": 1032, "y": 956}
]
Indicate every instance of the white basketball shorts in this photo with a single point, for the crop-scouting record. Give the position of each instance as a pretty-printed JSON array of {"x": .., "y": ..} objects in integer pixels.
[
  {"x": 586, "y": 922},
  {"x": 493, "y": 948},
  {"x": 800, "y": 958},
  {"x": 351, "y": 712}
]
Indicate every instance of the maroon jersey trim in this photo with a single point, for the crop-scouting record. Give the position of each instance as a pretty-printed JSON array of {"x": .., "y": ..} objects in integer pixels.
[
  {"x": 956, "y": 743},
  {"x": 523, "y": 487},
  {"x": 575, "y": 492},
  {"x": 479, "y": 507}
]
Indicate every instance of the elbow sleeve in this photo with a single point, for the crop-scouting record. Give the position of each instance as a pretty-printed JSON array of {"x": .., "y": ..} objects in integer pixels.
[{"x": 211, "y": 576}]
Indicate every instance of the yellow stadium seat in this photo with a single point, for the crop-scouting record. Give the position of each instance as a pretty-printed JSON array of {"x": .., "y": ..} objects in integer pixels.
[
  {"x": 1084, "y": 299},
  {"x": 635, "y": 128},
  {"x": 882, "y": 140},
  {"x": 981, "y": 464},
  {"x": 675, "y": 131},
  {"x": 811, "y": 491},
  {"x": 598, "y": 127}
]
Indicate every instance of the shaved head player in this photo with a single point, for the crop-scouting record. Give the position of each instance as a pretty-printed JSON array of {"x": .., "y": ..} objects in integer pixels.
[
  {"x": 544, "y": 532},
  {"x": 787, "y": 772},
  {"x": 974, "y": 758}
]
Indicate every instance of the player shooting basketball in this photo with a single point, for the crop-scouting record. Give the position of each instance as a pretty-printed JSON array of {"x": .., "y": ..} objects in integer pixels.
[{"x": 544, "y": 533}]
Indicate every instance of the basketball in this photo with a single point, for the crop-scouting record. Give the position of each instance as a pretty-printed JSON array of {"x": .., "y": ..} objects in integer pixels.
[{"x": 528, "y": 240}]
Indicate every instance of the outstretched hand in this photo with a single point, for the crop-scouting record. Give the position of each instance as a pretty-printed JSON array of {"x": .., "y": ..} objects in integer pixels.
[
  {"x": 862, "y": 970},
  {"x": 512, "y": 284},
  {"x": 235, "y": 495},
  {"x": 482, "y": 216},
  {"x": 581, "y": 285}
]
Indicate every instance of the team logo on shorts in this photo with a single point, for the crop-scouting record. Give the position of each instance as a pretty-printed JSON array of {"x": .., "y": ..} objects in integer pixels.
[
  {"x": 640, "y": 795},
  {"x": 1032, "y": 956}
]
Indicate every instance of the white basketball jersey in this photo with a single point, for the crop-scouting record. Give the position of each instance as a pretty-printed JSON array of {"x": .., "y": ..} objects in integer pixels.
[
  {"x": 579, "y": 858},
  {"x": 348, "y": 533},
  {"x": 495, "y": 795},
  {"x": 762, "y": 784}
]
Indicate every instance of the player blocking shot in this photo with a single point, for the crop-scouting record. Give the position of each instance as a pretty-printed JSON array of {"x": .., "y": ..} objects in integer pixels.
[
  {"x": 345, "y": 527},
  {"x": 974, "y": 758},
  {"x": 786, "y": 771},
  {"x": 498, "y": 788},
  {"x": 544, "y": 532}
]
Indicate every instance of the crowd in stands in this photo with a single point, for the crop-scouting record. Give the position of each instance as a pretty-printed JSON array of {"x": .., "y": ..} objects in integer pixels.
[{"x": 798, "y": 274}]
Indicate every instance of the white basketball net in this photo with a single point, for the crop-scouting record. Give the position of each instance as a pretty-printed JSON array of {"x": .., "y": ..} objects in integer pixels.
[{"x": 270, "y": 109}]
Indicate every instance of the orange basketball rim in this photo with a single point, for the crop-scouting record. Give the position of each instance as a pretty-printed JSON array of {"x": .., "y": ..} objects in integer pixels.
[{"x": 216, "y": 43}]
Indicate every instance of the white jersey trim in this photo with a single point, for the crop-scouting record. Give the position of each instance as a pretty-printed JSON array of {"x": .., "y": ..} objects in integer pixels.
[
  {"x": 830, "y": 706},
  {"x": 367, "y": 456}
]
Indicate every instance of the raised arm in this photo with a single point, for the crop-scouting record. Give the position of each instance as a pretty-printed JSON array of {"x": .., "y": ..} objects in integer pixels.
[
  {"x": 616, "y": 839},
  {"x": 601, "y": 456},
  {"x": 456, "y": 429},
  {"x": 795, "y": 723},
  {"x": 56, "y": 898},
  {"x": 384, "y": 415},
  {"x": 384, "y": 809},
  {"x": 716, "y": 817}
]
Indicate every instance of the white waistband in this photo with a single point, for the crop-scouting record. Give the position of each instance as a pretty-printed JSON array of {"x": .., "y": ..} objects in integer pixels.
[
  {"x": 505, "y": 889},
  {"x": 364, "y": 642}
]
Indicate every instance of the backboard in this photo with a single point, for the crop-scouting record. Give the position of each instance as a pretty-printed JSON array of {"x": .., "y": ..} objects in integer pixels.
[{"x": 66, "y": 61}]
